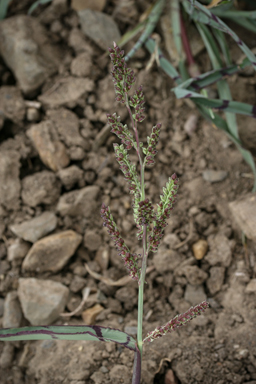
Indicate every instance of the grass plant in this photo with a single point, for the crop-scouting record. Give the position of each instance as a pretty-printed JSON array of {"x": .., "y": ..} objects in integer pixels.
[{"x": 150, "y": 226}]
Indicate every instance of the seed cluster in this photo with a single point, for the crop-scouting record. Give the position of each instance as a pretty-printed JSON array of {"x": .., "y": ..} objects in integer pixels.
[
  {"x": 177, "y": 322},
  {"x": 145, "y": 212},
  {"x": 163, "y": 212},
  {"x": 130, "y": 260},
  {"x": 121, "y": 131},
  {"x": 128, "y": 169},
  {"x": 137, "y": 101},
  {"x": 123, "y": 77},
  {"x": 152, "y": 140}
]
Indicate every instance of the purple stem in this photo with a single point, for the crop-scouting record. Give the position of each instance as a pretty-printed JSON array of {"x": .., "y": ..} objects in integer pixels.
[{"x": 136, "y": 367}]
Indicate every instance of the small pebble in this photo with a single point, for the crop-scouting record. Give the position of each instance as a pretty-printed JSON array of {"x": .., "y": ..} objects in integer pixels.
[
  {"x": 190, "y": 124},
  {"x": 89, "y": 315},
  {"x": 33, "y": 114},
  {"x": 251, "y": 286},
  {"x": 214, "y": 176},
  {"x": 200, "y": 248},
  {"x": 103, "y": 369},
  {"x": 7, "y": 356}
]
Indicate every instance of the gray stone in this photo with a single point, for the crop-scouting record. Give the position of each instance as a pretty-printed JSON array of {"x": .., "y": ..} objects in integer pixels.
[
  {"x": 215, "y": 282},
  {"x": 67, "y": 125},
  {"x": 214, "y": 176},
  {"x": 40, "y": 188},
  {"x": 99, "y": 27},
  {"x": 17, "y": 250},
  {"x": 27, "y": 51},
  {"x": 9, "y": 179},
  {"x": 67, "y": 92},
  {"x": 244, "y": 212},
  {"x": 42, "y": 300},
  {"x": 194, "y": 294},
  {"x": 32, "y": 230},
  {"x": 12, "y": 105},
  {"x": 70, "y": 176},
  {"x": 220, "y": 250},
  {"x": 52, "y": 252},
  {"x": 82, "y": 202},
  {"x": 46, "y": 141},
  {"x": 12, "y": 311}
]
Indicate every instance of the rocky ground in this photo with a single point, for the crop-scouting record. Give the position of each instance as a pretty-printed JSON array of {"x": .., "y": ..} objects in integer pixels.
[{"x": 57, "y": 263}]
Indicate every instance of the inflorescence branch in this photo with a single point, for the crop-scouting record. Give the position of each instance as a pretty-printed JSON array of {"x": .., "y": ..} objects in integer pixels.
[
  {"x": 130, "y": 259},
  {"x": 177, "y": 322}
]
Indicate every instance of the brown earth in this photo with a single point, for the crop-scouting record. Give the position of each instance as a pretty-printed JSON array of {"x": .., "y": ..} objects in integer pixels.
[{"x": 56, "y": 157}]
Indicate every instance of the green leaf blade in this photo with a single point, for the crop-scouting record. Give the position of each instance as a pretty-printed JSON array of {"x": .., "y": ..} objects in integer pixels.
[{"x": 69, "y": 332}]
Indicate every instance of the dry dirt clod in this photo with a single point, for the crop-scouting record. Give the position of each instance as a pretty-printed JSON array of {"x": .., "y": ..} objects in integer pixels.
[
  {"x": 42, "y": 301},
  {"x": 70, "y": 176},
  {"x": 40, "y": 188},
  {"x": 52, "y": 252},
  {"x": 67, "y": 125},
  {"x": 92, "y": 240},
  {"x": 194, "y": 275},
  {"x": 32, "y": 230},
  {"x": 66, "y": 92},
  {"x": 9, "y": 179},
  {"x": 32, "y": 58},
  {"x": 81, "y": 66},
  {"x": 12, "y": 311},
  {"x": 7, "y": 356},
  {"x": 82, "y": 202},
  {"x": 244, "y": 212},
  {"x": 12, "y": 104},
  {"x": 251, "y": 286},
  {"x": 166, "y": 260},
  {"x": 215, "y": 282},
  {"x": 51, "y": 150},
  {"x": 200, "y": 248},
  {"x": 194, "y": 294},
  {"x": 89, "y": 315},
  {"x": 220, "y": 250}
]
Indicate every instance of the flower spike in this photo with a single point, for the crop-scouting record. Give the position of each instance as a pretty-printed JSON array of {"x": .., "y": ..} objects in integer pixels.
[
  {"x": 177, "y": 322},
  {"x": 130, "y": 260}
]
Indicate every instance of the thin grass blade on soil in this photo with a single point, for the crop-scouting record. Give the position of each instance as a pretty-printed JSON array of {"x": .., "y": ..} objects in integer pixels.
[
  {"x": 150, "y": 26},
  {"x": 69, "y": 332},
  {"x": 201, "y": 14}
]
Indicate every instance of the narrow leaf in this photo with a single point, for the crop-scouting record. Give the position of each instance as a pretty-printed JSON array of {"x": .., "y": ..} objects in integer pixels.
[
  {"x": 36, "y": 4},
  {"x": 150, "y": 26},
  {"x": 3, "y": 8},
  {"x": 201, "y": 14},
  {"x": 69, "y": 332}
]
